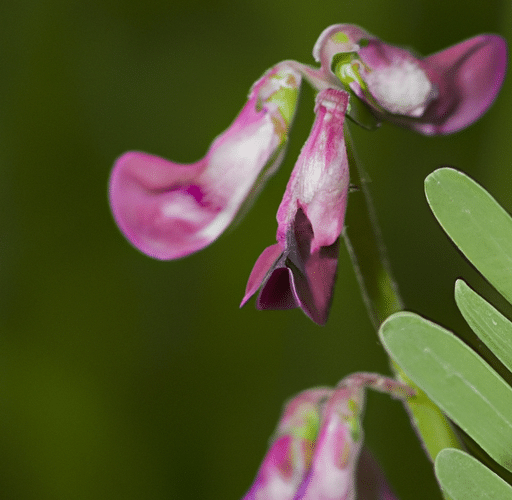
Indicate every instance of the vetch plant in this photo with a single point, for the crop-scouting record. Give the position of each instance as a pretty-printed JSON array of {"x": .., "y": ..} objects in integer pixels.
[{"x": 169, "y": 210}]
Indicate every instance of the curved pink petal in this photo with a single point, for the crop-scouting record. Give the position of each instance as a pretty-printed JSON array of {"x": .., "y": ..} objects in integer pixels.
[
  {"x": 169, "y": 210},
  {"x": 289, "y": 456},
  {"x": 473, "y": 72}
]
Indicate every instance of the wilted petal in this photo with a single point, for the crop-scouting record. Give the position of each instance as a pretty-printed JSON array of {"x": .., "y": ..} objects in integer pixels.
[
  {"x": 439, "y": 94},
  {"x": 300, "y": 270},
  {"x": 169, "y": 210}
]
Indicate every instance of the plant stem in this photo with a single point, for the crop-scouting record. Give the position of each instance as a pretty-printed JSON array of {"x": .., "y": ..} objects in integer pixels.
[{"x": 380, "y": 294}]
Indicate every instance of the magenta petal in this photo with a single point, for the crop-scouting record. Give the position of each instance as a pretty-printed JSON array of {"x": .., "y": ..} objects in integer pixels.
[
  {"x": 157, "y": 207},
  {"x": 295, "y": 277},
  {"x": 314, "y": 274},
  {"x": 439, "y": 94},
  {"x": 310, "y": 220},
  {"x": 169, "y": 210},
  {"x": 276, "y": 479},
  {"x": 473, "y": 71},
  {"x": 260, "y": 270}
]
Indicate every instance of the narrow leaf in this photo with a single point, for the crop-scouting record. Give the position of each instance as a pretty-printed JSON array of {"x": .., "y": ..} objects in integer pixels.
[
  {"x": 466, "y": 388},
  {"x": 475, "y": 222},
  {"x": 490, "y": 325},
  {"x": 463, "y": 477}
]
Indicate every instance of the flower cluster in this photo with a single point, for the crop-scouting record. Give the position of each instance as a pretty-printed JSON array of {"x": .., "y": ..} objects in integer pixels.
[
  {"x": 169, "y": 210},
  {"x": 317, "y": 451}
]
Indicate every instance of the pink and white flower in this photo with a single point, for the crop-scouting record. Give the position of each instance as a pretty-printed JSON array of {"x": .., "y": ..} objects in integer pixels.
[
  {"x": 300, "y": 269},
  {"x": 317, "y": 451},
  {"x": 169, "y": 210},
  {"x": 438, "y": 94}
]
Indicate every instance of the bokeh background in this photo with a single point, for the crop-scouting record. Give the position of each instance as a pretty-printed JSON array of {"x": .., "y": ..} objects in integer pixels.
[{"x": 125, "y": 377}]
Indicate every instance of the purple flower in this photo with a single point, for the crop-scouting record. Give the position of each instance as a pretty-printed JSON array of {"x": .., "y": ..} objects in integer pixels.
[
  {"x": 168, "y": 210},
  {"x": 300, "y": 270},
  {"x": 317, "y": 451},
  {"x": 438, "y": 94}
]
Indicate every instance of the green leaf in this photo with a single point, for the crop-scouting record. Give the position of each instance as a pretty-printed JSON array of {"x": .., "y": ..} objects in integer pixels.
[
  {"x": 466, "y": 388},
  {"x": 475, "y": 222},
  {"x": 463, "y": 477},
  {"x": 489, "y": 324}
]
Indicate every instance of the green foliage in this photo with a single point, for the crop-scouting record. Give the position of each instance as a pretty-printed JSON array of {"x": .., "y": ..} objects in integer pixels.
[
  {"x": 463, "y": 477},
  {"x": 455, "y": 377},
  {"x": 489, "y": 324},
  {"x": 461, "y": 383},
  {"x": 475, "y": 222}
]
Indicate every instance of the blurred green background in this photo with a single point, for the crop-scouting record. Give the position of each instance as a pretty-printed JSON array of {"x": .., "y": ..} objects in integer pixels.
[{"x": 125, "y": 377}]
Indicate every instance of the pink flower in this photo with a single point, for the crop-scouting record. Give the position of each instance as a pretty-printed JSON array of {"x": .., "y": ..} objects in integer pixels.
[
  {"x": 168, "y": 210},
  {"x": 438, "y": 94},
  {"x": 317, "y": 451},
  {"x": 300, "y": 270}
]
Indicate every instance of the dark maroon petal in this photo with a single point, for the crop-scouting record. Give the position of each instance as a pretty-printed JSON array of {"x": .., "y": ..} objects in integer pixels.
[
  {"x": 315, "y": 284},
  {"x": 261, "y": 269}
]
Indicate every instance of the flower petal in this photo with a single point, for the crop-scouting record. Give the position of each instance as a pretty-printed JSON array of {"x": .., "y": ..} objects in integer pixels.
[
  {"x": 260, "y": 270},
  {"x": 474, "y": 71},
  {"x": 300, "y": 271},
  {"x": 169, "y": 210},
  {"x": 332, "y": 475},
  {"x": 334, "y": 468},
  {"x": 290, "y": 453},
  {"x": 336, "y": 39},
  {"x": 295, "y": 277},
  {"x": 320, "y": 179},
  {"x": 439, "y": 94}
]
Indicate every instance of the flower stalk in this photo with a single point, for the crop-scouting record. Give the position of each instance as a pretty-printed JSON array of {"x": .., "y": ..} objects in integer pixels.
[{"x": 381, "y": 296}]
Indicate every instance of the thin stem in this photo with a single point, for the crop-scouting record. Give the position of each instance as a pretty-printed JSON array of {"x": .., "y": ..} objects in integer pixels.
[{"x": 380, "y": 294}]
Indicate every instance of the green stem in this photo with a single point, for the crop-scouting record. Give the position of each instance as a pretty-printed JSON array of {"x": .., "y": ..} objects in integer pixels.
[{"x": 380, "y": 293}]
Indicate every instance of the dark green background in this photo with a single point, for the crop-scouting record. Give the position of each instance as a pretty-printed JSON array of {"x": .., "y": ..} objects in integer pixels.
[{"x": 125, "y": 377}]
